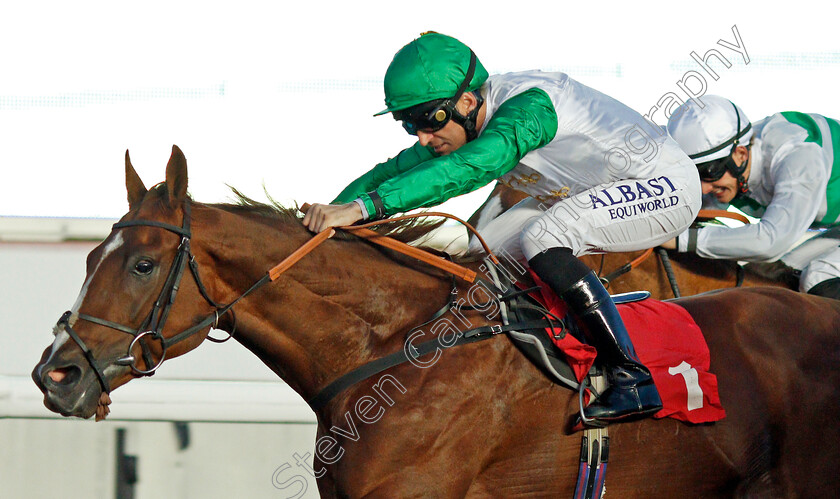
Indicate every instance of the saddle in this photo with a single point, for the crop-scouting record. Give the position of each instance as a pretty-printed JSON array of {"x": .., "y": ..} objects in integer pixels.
[
  {"x": 540, "y": 346},
  {"x": 519, "y": 306},
  {"x": 666, "y": 339}
]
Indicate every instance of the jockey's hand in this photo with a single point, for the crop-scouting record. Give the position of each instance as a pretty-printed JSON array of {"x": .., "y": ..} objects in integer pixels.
[
  {"x": 669, "y": 245},
  {"x": 324, "y": 216}
]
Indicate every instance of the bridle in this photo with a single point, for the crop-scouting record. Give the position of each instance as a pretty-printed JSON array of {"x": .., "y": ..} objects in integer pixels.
[{"x": 152, "y": 326}]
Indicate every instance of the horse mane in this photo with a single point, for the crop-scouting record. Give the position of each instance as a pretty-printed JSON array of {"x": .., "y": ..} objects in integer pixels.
[
  {"x": 406, "y": 231},
  {"x": 411, "y": 231}
]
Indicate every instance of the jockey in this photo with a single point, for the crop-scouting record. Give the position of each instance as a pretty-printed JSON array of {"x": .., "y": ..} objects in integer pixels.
[
  {"x": 782, "y": 169},
  {"x": 599, "y": 180}
]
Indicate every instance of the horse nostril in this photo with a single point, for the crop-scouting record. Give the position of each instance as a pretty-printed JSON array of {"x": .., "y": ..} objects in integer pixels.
[{"x": 64, "y": 375}]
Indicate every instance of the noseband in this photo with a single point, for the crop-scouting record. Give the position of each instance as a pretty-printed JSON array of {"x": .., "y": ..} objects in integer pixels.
[{"x": 152, "y": 326}]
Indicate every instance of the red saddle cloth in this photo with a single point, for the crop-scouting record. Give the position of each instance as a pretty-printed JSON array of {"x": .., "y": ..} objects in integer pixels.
[{"x": 668, "y": 342}]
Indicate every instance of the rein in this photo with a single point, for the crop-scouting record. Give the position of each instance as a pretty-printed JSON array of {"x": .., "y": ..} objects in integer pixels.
[
  {"x": 152, "y": 326},
  {"x": 362, "y": 230},
  {"x": 710, "y": 214},
  {"x": 627, "y": 267},
  {"x": 595, "y": 443}
]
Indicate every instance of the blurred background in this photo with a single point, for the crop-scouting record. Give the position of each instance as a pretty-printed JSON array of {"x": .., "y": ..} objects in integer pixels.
[
  {"x": 281, "y": 96},
  {"x": 278, "y": 97}
]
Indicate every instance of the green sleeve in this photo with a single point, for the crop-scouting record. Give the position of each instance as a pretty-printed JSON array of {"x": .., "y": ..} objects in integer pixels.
[
  {"x": 521, "y": 124},
  {"x": 401, "y": 163}
]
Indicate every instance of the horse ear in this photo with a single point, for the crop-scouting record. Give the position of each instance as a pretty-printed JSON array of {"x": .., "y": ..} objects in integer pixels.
[
  {"x": 176, "y": 177},
  {"x": 133, "y": 184}
]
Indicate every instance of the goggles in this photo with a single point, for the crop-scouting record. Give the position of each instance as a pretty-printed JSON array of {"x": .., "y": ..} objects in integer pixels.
[
  {"x": 712, "y": 171},
  {"x": 427, "y": 117}
]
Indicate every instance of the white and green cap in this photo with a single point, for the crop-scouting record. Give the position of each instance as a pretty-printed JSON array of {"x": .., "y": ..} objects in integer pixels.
[{"x": 708, "y": 129}]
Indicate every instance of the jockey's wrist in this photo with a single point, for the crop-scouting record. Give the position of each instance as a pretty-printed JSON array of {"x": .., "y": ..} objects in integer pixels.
[
  {"x": 687, "y": 241},
  {"x": 379, "y": 208},
  {"x": 373, "y": 204},
  {"x": 361, "y": 203}
]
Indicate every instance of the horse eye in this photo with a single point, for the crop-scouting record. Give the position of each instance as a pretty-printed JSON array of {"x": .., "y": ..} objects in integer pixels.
[{"x": 143, "y": 267}]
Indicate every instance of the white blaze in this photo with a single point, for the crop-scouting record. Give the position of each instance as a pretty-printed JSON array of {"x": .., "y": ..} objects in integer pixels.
[
  {"x": 109, "y": 248},
  {"x": 61, "y": 335}
]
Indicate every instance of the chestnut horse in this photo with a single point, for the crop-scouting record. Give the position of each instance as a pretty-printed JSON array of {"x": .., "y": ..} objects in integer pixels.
[
  {"x": 477, "y": 420},
  {"x": 692, "y": 273}
]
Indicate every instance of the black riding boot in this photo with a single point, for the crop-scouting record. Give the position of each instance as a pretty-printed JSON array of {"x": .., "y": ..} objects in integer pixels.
[{"x": 631, "y": 393}]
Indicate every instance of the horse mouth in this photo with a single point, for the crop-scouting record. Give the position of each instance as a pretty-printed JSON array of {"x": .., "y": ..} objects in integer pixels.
[
  {"x": 67, "y": 408},
  {"x": 66, "y": 393},
  {"x": 80, "y": 409}
]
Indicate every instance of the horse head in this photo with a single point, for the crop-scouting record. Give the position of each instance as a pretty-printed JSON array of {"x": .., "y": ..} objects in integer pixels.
[
  {"x": 144, "y": 299},
  {"x": 119, "y": 327}
]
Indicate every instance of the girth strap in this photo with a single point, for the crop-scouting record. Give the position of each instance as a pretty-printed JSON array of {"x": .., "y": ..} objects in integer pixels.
[
  {"x": 594, "y": 456},
  {"x": 377, "y": 366},
  {"x": 592, "y": 471}
]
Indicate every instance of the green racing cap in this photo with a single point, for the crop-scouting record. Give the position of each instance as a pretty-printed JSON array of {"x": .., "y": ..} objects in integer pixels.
[{"x": 430, "y": 67}]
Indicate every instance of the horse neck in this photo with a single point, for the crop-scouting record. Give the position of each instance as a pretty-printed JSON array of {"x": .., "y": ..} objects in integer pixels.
[{"x": 339, "y": 307}]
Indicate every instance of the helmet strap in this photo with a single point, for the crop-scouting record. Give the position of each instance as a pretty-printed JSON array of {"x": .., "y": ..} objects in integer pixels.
[
  {"x": 468, "y": 122},
  {"x": 735, "y": 170},
  {"x": 743, "y": 188},
  {"x": 738, "y": 173}
]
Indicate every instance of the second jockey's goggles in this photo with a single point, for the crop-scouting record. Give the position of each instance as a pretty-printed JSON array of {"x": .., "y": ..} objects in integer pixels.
[{"x": 712, "y": 171}]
